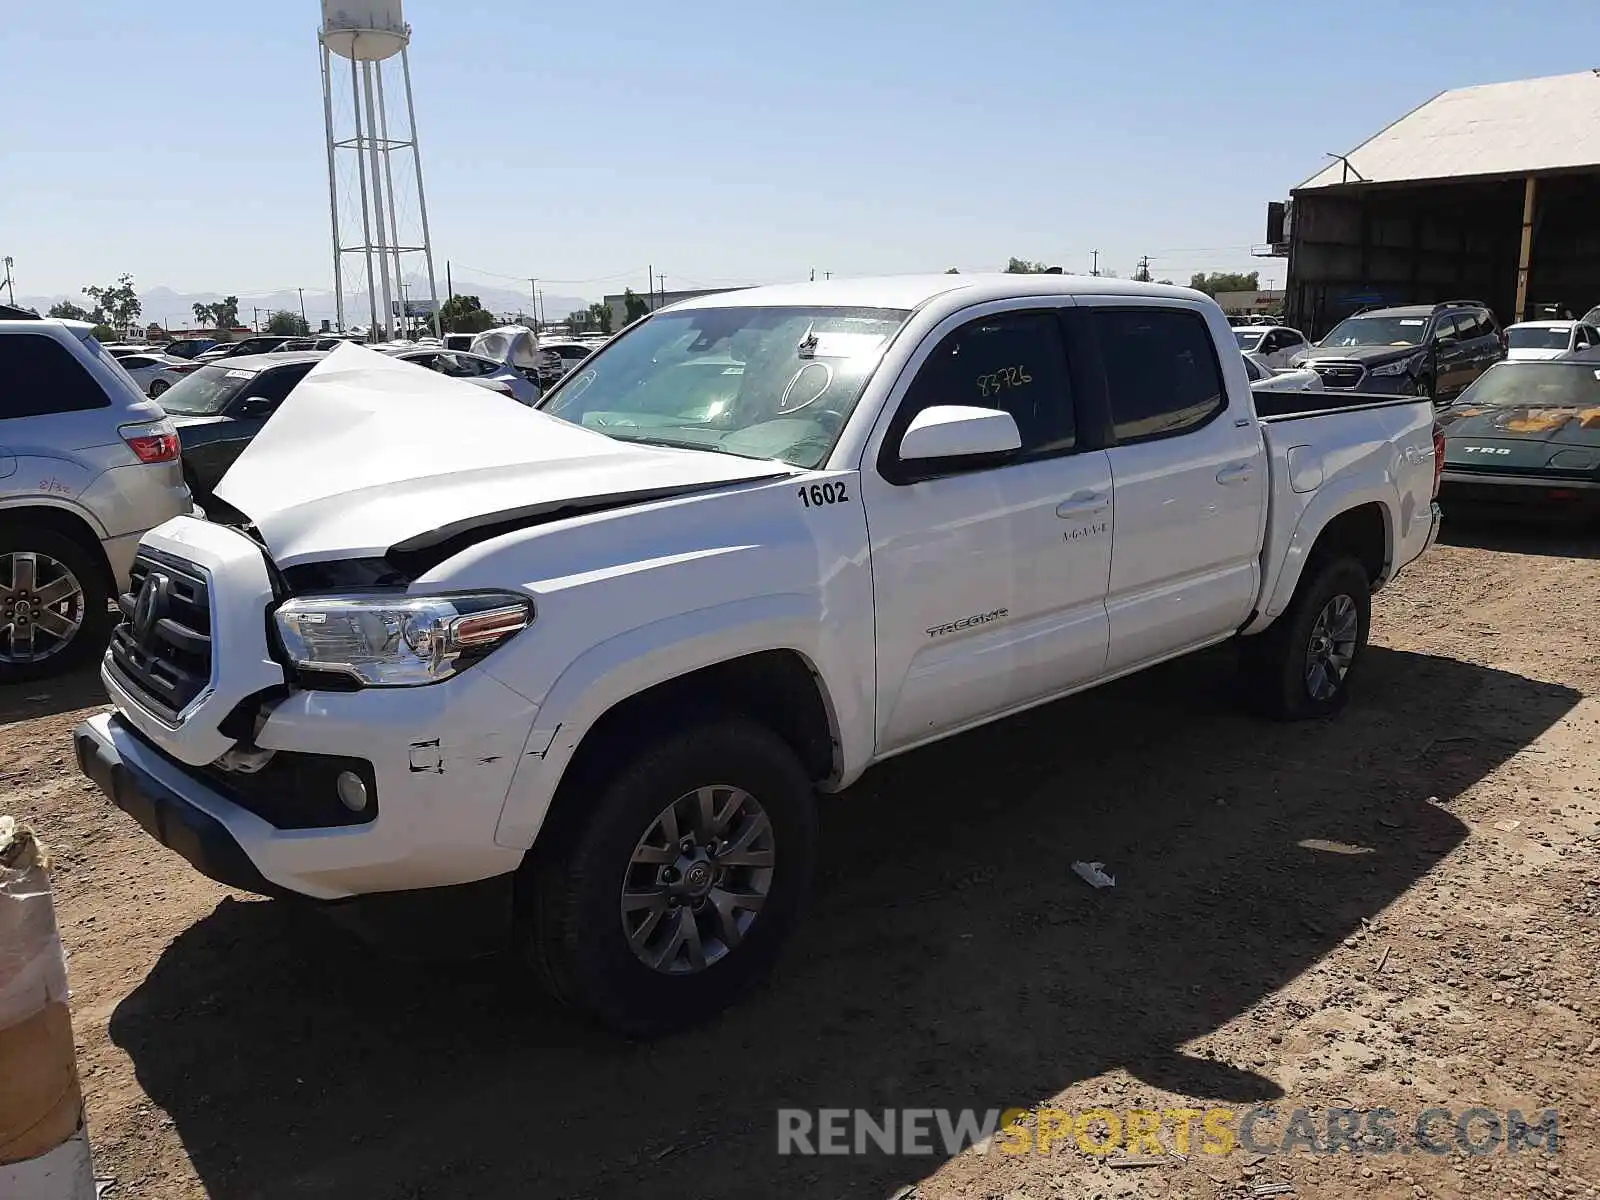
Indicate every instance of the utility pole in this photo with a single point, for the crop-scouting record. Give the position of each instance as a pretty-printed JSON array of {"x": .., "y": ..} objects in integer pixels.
[
  {"x": 449, "y": 288},
  {"x": 533, "y": 290},
  {"x": 1142, "y": 275},
  {"x": 256, "y": 319},
  {"x": 662, "y": 293},
  {"x": 11, "y": 290},
  {"x": 1094, "y": 268},
  {"x": 650, "y": 286},
  {"x": 303, "y": 320}
]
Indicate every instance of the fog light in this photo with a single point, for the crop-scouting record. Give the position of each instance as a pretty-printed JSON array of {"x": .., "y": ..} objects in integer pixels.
[{"x": 352, "y": 791}]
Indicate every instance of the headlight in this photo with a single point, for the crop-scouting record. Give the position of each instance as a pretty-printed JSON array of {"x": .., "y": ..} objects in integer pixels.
[
  {"x": 1394, "y": 368},
  {"x": 398, "y": 641}
]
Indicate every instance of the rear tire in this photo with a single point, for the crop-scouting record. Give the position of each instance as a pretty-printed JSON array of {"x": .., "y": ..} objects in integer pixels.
[
  {"x": 55, "y": 558},
  {"x": 1301, "y": 666},
  {"x": 157, "y": 388},
  {"x": 579, "y": 892}
]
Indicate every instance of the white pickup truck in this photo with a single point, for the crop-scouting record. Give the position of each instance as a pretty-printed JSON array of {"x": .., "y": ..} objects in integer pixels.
[{"x": 586, "y": 669}]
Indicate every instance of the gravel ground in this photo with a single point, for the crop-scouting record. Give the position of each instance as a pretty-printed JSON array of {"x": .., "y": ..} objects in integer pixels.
[{"x": 1395, "y": 908}]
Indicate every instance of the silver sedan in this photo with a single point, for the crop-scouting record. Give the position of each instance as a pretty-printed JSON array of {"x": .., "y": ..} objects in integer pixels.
[{"x": 474, "y": 368}]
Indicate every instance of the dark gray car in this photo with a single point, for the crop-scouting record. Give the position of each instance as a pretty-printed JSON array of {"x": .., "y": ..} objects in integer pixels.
[{"x": 1433, "y": 350}]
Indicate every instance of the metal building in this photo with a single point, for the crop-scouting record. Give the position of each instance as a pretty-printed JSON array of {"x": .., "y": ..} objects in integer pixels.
[{"x": 1487, "y": 193}]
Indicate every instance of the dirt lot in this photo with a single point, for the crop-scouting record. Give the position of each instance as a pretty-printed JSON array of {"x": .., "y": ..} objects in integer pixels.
[{"x": 1395, "y": 908}]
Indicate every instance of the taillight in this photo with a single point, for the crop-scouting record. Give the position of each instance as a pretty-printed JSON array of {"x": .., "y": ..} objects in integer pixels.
[
  {"x": 156, "y": 442},
  {"x": 1438, "y": 457},
  {"x": 184, "y": 369}
]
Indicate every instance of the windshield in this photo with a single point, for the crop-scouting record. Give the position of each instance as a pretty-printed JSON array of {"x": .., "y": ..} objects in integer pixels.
[
  {"x": 1535, "y": 338},
  {"x": 1377, "y": 331},
  {"x": 206, "y": 392},
  {"x": 760, "y": 382},
  {"x": 1249, "y": 339},
  {"x": 1535, "y": 385}
]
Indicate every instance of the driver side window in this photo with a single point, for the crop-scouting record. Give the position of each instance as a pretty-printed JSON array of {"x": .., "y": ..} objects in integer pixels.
[{"x": 1013, "y": 361}]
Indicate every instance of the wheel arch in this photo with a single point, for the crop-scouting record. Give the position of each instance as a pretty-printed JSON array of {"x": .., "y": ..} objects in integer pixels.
[
  {"x": 1360, "y": 521},
  {"x": 762, "y": 669},
  {"x": 66, "y": 520}
]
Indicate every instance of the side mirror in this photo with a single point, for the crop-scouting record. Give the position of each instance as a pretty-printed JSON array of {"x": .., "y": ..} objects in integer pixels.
[
  {"x": 959, "y": 431},
  {"x": 1444, "y": 341},
  {"x": 255, "y": 406}
]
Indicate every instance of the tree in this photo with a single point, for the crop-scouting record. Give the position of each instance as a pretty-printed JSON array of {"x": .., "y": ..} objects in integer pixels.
[
  {"x": 104, "y": 334},
  {"x": 600, "y": 314},
  {"x": 1223, "y": 281},
  {"x": 464, "y": 314},
  {"x": 953, "y": 271},
  {"x": 1021, "y": 266},
  {"x": 116, "y": 305},
  {"x": 222, "y": 315},
  {"x": 287, "y": 323},
  {"x": 65, "y": 310},
  {"x": 634, "y": 306},
  {"x": 1166, "y": 281}
]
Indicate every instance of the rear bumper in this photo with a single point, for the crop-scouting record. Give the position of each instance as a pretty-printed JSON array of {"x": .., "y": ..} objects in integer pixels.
[{"x": 1519, "y": 495}]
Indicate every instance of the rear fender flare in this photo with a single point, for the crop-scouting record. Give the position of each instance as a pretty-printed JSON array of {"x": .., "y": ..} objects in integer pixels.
[{"x": 1332, "y": 500}]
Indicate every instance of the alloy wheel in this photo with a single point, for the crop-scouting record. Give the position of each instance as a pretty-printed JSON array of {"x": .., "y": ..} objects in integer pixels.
[
  {"x": 697, "y": 880},
  {"x": 41, "y": 607},
  {"x": 1331, "y": 648}
]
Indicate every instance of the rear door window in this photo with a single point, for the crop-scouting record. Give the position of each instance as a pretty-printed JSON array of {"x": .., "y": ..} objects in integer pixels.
[
  {"x": 274, "y": 385},
  {"x": 38, "y": 376},
  {"x": 1161, "y": 369}
]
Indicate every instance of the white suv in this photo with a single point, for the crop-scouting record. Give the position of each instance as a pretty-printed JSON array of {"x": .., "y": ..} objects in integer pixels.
[{"x": 88, "y": 464}]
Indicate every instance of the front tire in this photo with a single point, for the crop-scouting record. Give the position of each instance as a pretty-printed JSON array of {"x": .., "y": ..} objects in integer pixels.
[
  {"x": 669, "y": 894},
  {"x": 54, "y": 603},
  {"x": 1301, "y": 666}
]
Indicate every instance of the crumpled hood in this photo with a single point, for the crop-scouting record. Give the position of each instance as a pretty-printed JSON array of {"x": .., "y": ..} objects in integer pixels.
[{"x": 369, "y": 453}]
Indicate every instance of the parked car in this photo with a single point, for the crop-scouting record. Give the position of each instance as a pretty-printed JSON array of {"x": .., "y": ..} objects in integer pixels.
[
  {"x": 222, "y": 405},
  {"x": 1420, "y": 349},
  {"x": 155, "y": 373},
  {"x": 1525, "y": 440},
  {"x": 88, "y": 464},
  {"x": 474, "y": 368},
  {"x": 458, "y": 341},
  {"x": 264, "y": 343},
  {"x": 1294, "y": 379},
  {"x": 587, "y": 665},
  {"x": 189, "y": 347},
  {"x": 1276, "y": 345},
  {"x": 1532, "y": 340},
  {"x": 571, "y": 353}
]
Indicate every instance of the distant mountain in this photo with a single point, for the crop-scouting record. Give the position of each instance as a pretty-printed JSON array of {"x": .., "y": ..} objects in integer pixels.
[{"x": 176, "y": 309}]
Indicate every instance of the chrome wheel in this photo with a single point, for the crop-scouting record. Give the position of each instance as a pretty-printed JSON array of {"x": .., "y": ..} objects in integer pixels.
[
  {"x": 1332, "y": 646},
  {"x": 41, "y": 607},
  {"x": 697, "y": 880}
]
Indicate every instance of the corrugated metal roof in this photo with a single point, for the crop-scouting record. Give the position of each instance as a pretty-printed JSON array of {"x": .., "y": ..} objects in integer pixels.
[{"x": 1493, "y": 129}]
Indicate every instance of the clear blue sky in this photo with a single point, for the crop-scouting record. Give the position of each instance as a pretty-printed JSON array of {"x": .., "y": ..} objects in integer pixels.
[{"x": 723, "y": 141}]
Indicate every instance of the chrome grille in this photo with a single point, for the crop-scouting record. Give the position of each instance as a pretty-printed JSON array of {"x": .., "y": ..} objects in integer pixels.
[
  {"x": 1347, "y": 375},
  {"x": 162, "y": 649}
]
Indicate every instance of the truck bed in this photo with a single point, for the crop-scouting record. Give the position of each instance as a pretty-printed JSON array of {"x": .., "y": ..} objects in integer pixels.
[{"x": 1282, "y": 406}]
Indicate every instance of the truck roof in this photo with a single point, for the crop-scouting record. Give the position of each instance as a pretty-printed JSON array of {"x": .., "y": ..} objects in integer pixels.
[{"x": 913, "y": 291}]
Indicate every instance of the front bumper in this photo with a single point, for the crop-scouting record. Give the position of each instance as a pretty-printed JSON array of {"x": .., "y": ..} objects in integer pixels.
[{"x": 187, "y": 823}]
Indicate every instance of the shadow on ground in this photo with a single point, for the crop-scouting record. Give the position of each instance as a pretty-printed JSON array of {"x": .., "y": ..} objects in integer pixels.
[
  {"x": 952, "y": 958},
  {"x": 79, "y": 688},
  {"x": 1555, "y": 539}
]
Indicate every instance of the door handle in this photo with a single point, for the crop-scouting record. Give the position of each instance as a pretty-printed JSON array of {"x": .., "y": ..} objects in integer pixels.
[
  {"x": 1082, "y": 504},
  {"x": 1236, "y": 474}
]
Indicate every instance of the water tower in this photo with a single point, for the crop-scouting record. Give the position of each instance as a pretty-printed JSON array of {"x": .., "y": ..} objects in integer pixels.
[{"x": 369, "y": 35}]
